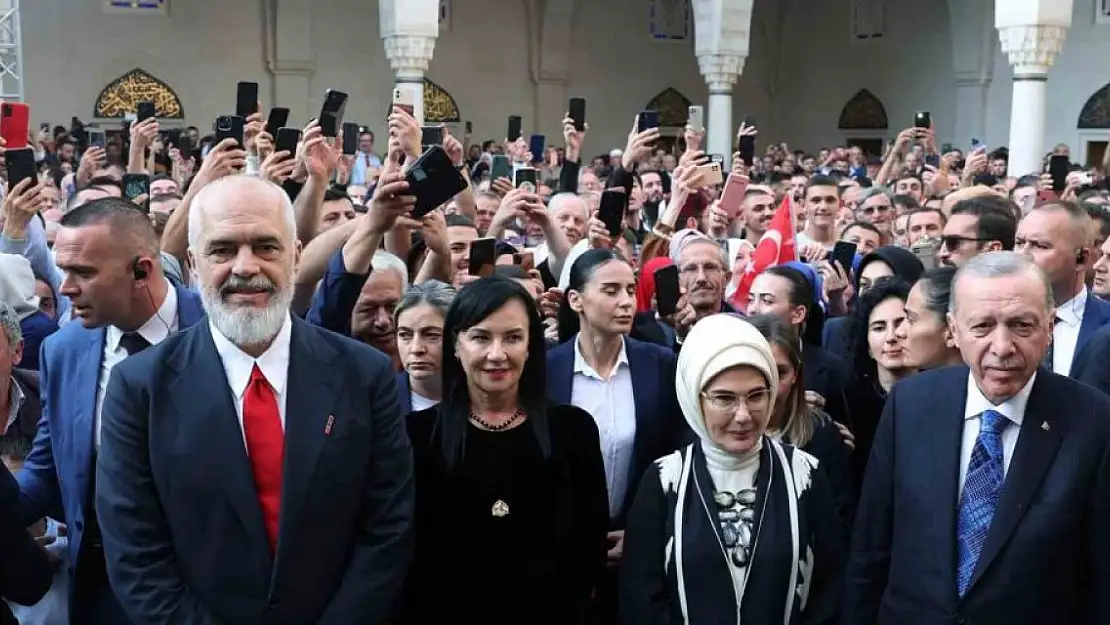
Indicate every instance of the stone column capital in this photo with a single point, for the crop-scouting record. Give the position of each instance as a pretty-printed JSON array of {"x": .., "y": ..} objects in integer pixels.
[
  {"x": 409, "y": 55},
  {"x": 1032, "y": 48},
  {"x": 720, "y": 71}
]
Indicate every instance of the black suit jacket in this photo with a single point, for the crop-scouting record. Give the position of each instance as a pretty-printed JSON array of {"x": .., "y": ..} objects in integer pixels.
[
  {"x": 1091, "y": 364},
  {"x": 183, "y": 533},
  {"x": 25, "y": 570},
  {"x": 1046, "y": 560}
]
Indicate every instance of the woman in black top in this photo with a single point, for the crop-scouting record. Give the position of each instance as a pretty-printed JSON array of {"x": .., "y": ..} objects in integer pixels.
[{"x": 511, "y": 502}]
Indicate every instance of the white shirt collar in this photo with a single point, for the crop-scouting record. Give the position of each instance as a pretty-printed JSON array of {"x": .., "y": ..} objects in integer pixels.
[
  {"x": 1013, "y": 408},
  {"x": 157, "y": 328},
  {"x": 1071, "y": 311},
  {"x": 583, "y": 367},
  {"x": 16, "y": 396},
  {"x": 274, "y": 362}
]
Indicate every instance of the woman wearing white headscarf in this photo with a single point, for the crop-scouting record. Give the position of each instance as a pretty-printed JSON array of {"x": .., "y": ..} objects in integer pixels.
[{"x": 734, "y": 528}]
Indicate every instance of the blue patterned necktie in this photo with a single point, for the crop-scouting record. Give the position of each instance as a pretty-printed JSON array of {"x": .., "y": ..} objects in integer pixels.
[{"x": 985, "y": 474}]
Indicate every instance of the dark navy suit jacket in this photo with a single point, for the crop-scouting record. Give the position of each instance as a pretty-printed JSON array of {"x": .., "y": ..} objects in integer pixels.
[
  {"x": 660, "y": 426},
  {"x": 404, "y": 392},
  {"x": 57, "y": 475},
  {"x": 183, "y": 532},
  {"x": 1046, "y": 559},
  {"x": 1091, "y": 363},
  {"x": 25, "y": 570}
]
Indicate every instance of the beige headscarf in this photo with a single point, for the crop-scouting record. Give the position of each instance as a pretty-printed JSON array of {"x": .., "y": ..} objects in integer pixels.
[
  {"x": 17, "y": 285},
  {"x": 717, "y": 343}
]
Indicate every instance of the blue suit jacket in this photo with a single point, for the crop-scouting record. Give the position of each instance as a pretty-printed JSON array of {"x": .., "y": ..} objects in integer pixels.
[
  {"x": 660, "y": 426},
  {"x": 56, "y": 477},
  {"x": 183, "y": 532},
  {"x": 404, "y": 392},
  {"x": 1046, "y": 559},
  {"x": 1096, "y": 315}
]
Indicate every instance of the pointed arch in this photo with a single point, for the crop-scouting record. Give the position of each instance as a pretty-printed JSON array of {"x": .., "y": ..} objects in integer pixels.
[
  {"x": 673, "y": 108},
  {"x": 1096, "y": 111},
  {"x": 439, "y": 106},
  {"x": 123, "y": 94},
  {"x": 863, "y": 111}
]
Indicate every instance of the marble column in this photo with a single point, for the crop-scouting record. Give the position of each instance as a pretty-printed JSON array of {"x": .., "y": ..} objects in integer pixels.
[
  {"x": 409, "y": 29},
  {"x": 721, "y": 39},
  {"x": 1032, "y": 33}
]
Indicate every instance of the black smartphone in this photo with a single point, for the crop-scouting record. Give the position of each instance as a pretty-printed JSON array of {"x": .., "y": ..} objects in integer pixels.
[
  {"x": 184, "y": 144},
  {"x": 136, "y": 185},
  {"x": 577, "y": 109},
  {"x": 666, "y": 290},
  {"x": 287, "y": 140},
  {"x": 430, "y": 135},
  {"x": 350, "y": 138},
  {"x": 923, "y": 119},
  {"x": 647, "y": 120},
  {"x": 332, "y": 111},
  {"x": 536, "y": 146},
  {"x": 144, "y": 111},
  {"x": 483, "y": 256},
  {"x": 229, "y": 127},
  {"x": 746, "y": 148},
  {"x": 20, "y": 163},
  {"x": 433, "y": 180},
  {"x": 246, "y": 99},
  {"x": 469, "y": 127},
  {"x": 500, "y": 167},
  {"x": 844, "y": 252},
  {"x": 96, "y": 137},
  {"x": 611, "y": 211},
  {"x": 1058, "y": 165},
  {"x": 525, "y": 178},
  {"x": 279, "y": 117},
  {"x": 514, "y": 128}
]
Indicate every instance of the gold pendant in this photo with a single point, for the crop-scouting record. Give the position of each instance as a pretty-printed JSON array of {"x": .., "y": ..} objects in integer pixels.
[{"x": 500, "y": 509}]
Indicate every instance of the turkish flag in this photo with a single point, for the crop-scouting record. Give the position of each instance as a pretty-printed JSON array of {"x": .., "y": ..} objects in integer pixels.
[{"x": 777, "y": 246}]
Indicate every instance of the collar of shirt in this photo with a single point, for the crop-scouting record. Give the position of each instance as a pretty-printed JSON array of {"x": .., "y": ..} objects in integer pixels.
[
  {"x": 1071, "y": 311},
  {"x": 1013, "y": 408},
  {"x": 16, "y": 397},
  {"x": 156, "y": 329},
  {"x": 274, "y": 362},
  {"x": 583, "y": 367}
]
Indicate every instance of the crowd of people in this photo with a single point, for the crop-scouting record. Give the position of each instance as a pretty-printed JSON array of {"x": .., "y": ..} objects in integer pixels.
[{"x": 824, "y": 387}]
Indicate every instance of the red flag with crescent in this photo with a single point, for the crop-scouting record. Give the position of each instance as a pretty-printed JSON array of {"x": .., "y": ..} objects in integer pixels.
[{"x": 777, "y": 246}]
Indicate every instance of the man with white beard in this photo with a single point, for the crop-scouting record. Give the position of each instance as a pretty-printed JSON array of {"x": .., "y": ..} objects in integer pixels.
[{"x": 255, "y": 469}]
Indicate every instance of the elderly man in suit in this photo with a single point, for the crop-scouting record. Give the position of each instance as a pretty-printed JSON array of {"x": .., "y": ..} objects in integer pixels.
[
  {"x": 122, "y": 304},
  {"x": 256, "y": 469},
  {"x": 985, "y": 496}
]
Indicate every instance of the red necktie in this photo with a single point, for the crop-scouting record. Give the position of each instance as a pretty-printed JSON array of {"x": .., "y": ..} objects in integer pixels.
[{"x": 265, "y": 446}]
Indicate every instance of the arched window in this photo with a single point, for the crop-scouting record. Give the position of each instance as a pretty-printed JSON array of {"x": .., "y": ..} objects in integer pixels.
[
  {"x": 1096, "y": 111},
  {"x": 123, "y": 94},
  {"x": 864, "y": 123},
  {"x": 439, "y": 106},
  {"x": 673, "y": 108}
]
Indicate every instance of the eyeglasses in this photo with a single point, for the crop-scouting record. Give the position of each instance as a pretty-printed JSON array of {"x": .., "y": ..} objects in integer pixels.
[
  {"x": 953, "y": 241},
  {"x": 755, "y": 401}
]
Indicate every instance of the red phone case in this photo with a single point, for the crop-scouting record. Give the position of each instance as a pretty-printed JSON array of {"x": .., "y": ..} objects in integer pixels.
[{"x": 15, "y": 124}]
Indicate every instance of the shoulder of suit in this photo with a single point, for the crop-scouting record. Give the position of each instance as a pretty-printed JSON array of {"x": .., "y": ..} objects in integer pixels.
[
  {"x": 931, "y": 380},
  {"x": 346, "y": 345},
  {"x": 651, "y": 349}
]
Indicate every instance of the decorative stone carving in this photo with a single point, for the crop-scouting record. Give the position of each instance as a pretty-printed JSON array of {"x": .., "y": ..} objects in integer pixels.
[
  {"x": 1032, "y": 48},
  {"x": 409, "y": 56},
  {"x": 673, "y": 108},
  {"x": 123, "y": 94},
  {"x": 439, "y": 106},
  {"x": 720, "y": 71},
  {"x": 863, "y": 111},
  {"x": 1096, "y": 112}
]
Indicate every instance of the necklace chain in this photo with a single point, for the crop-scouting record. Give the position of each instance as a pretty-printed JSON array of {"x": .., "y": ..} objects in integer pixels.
[{"x": 500, "y": 426}]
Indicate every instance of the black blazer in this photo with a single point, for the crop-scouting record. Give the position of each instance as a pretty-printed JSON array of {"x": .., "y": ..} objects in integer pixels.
[
  {"x": 184, "y": 539},
  {"x": 1091, "y": 364},
  {"x": 1046, "y": 560},
  {"x": 25, "y": 570},
  {"x": 660, "y": 426},
  {"x": 827, "y": 375}
]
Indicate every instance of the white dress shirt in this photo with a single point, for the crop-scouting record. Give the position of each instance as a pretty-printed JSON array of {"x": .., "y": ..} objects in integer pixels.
[
  {"x": 238, "y": 365},
  {"x": 15, "y": 402},
  {"x": 155, "y": 330},
  {"x": 612, "y": 405},
  {"x": 1014, "y": 411},
  {"x": 1065, "y": 334}
]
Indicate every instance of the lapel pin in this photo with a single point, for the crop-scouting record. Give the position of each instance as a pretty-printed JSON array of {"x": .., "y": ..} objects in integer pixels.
[
  {"x": 331, "y": 422},
  {"x": 1044, "y": 426}
]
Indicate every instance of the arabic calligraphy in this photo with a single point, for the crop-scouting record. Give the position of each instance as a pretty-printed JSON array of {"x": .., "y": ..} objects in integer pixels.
[
  {"x": 123, "y": 94},
  {"x": 439, "y": 106},
  {"x": 673, "y": 108}
]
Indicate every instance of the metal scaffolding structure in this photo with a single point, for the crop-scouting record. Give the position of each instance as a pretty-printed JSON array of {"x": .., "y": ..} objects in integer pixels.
[{"x": 11, "y": 51}]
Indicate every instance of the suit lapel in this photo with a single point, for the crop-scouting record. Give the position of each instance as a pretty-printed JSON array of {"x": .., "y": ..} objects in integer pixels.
[
  {"x": 201, "y": 395},
  {"x": 189, "y": 309},
  {"x": 309, "y": 420},
  {"x": 944, "y": 452},
  {"x": 561, "y": 372},
  {"x": 1093, "y": 319},
  {"x": 1036, "y": 447},
  {"x": 84, "y": 425}
]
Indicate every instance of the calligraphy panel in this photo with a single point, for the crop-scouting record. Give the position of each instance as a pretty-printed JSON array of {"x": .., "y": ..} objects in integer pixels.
[
  {"x": 673, "y": 108},
  {"x": 1096, "y": 111},
  {"x": 123, "y": 94},
  {"x": 439, "y": 106},
  {"x": 863, "y": 112}
]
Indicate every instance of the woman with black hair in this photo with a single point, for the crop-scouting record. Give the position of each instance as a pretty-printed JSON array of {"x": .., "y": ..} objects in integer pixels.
[
  {"x": 877, "y": 360},
  {"x": 620, "y": 382},
  {"x": 511, "y": 504},
  {"x": 927, "y": 343}
]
